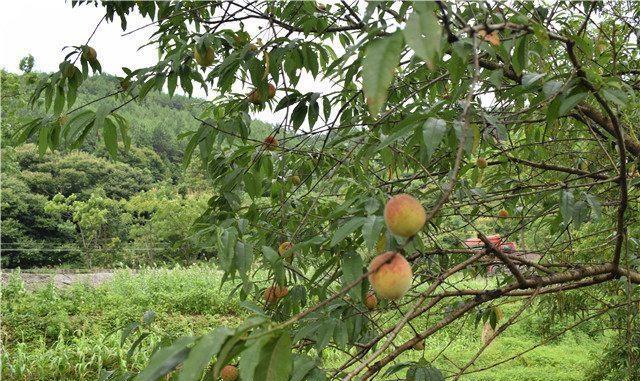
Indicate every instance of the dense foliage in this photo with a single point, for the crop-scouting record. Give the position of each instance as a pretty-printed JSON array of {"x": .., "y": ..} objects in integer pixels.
[{"x": 495, "y": 116}]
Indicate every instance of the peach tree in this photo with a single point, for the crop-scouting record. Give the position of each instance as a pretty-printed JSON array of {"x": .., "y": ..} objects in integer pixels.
[{"x": 403, "y": 129}]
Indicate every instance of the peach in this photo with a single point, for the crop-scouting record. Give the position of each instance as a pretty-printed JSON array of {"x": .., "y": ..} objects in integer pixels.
[
  {"x": 404, "y": 215},
  {"x": 89, "y": 54},
  {"x": 206, "y": 59},
  {"x": 274, "y": 293},
  {"x": 256, "y": 97},
  {"x": 481, "y": 163},
  {"x": 271, "y": 90},
  {"x": 295, "y": 179},
  {"x": 229, "y": 373},
  {"x": 270, "y": 143},
  {"x": 390, "y": 275},
  {"x": 370, "y": 301},
  {"x": 269, "y": 296},
  {"x": 282, "y": 250},
  {"x": 503, "y": 213}
]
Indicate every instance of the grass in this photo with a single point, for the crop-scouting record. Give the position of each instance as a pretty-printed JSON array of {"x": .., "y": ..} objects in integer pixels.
[{"x": 67, "y": 334}]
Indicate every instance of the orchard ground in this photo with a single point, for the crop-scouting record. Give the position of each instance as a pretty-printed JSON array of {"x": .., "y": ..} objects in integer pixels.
[{"x": 70, "y": 333}]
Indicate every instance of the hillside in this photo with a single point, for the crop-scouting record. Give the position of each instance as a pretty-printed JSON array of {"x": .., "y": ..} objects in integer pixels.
[{"x": 138, "y": 193}]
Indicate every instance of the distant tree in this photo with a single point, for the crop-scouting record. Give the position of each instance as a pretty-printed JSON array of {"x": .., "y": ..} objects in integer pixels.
[
  {"x": 26, "y": 64},
  {"x": 95, "y": 221}
]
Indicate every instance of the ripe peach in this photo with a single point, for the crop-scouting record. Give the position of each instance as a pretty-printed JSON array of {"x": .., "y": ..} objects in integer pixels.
[
  {"x": 404, "y": 215},
  {"x": 503, "y": 213},
  {"x": 256, "y": 97},
  {"x": 270, "y": 296},
  {"x": 270, "y": 143},
  {"x": 390, "y": 275},
  {"x": 229, "y": 373},
  {"x": 481, "y": 163},
  {"x": 370, "y": 301},
  {"x": 271, "y": 90},
  {"x": 281, "y": 292}
]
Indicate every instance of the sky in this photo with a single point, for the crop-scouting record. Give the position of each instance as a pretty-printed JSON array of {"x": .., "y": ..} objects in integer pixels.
[{"x": 54, "y": 24}]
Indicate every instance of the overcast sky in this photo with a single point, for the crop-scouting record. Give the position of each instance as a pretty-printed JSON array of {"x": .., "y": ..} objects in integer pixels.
[{"x": 54, "y": 24}]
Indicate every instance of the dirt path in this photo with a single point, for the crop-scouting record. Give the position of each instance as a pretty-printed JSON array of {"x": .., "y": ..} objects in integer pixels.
[{"x": 62, "y": 279}]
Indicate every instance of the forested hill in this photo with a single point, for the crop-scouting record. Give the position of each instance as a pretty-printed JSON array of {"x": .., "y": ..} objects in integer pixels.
[{"x": 136, "y": 196}]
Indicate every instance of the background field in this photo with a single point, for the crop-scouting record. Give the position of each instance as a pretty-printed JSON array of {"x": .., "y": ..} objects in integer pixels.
[{"x": 71, "y": 333}]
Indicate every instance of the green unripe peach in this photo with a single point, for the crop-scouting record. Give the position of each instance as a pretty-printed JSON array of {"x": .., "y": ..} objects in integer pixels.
[
  {"x": 205, "y": 59},
  {"x": 89, "y": 54}
]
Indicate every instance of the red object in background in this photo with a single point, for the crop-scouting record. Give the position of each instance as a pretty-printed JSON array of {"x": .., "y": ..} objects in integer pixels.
[
  {"x": 496, "y": 240},
  {"x": 476, "y": 242}
]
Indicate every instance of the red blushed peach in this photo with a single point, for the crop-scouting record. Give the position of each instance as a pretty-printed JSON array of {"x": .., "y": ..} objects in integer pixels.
[
  {"x": 404, "y": 215},
  {"x": 370, "y": 301},
  {"x": 390, "y": 276},
  {"x": 229, "y": 373},
  {"x": 272, "y": 294}
]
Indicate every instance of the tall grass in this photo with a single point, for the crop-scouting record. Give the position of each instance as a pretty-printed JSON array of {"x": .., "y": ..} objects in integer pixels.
[{"x": 52, "y": 334}]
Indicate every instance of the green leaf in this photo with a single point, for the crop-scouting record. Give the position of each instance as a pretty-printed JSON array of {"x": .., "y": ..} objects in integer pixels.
[
  {"x": 566, "y": 206},
  {"x": 302, "y": 365},
  {"x": 381, "y": 59},
  {"x": 43, "y": 139},
  {"x": 424, "y": 373},
  {"x": 276, "y": 361},
  {"x": 172, "y": 82},
  {"x": 58, "y": 104},
  {"x": 433, "y": 131},
  {"x": 202, "y": 352},
  {"x": 250, "y": 357},
  {"x": 298, "y": 114},
  {"x": 165, "y": 360},
  {"x": 595, "y": 205},
  {"x": 616, "y": 96},
  {"x": 351, "y": 265},
  {"x": 101, "y": 114},
  {"x": 395, "y": 136},
  {"x": 423, "y": 33},
  {"x": 551, "y": 88},
  {"x": 519, "y": 60},
  {"x": 346, "y": 229},
  {"x": 324, "y": 334},
  {"x": 253, "y": 184},
  {"x": 109, "y": 133},
  {"x": 580, "y": 213},
  {"x": 568, "y": 103},
  {"x": 371, "y": 231},
  {"x": 530, "y": 79}
]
